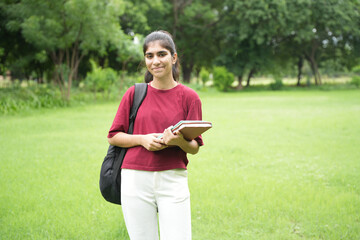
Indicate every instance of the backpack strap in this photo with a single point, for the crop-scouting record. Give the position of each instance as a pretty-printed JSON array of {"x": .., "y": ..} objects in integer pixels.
[{"x": 139, "y": 96}]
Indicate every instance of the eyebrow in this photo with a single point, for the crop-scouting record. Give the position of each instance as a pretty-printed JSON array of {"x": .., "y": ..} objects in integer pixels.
[{"x": 148, "y": 53}]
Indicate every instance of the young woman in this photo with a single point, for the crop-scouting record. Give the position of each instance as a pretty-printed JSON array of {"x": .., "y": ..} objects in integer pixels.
[{"x": 154, "y": 185}]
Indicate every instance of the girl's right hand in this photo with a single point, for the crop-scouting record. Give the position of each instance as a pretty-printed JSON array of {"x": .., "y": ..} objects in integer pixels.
[{"x": 152, "y": 143}]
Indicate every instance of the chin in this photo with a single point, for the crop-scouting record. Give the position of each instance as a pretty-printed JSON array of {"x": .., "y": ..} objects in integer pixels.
[{"x": 159, "y": 75}]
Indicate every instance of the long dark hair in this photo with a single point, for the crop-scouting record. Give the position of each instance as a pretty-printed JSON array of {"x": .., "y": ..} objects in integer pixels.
[{"x": 166, "y": 41}]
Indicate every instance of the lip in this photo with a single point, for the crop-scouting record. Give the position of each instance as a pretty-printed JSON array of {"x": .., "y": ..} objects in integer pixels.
[{"x": 157, "y": 68}]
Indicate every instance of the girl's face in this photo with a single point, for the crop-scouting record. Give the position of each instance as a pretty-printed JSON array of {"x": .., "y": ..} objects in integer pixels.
[{"x": 159, "y": 61}]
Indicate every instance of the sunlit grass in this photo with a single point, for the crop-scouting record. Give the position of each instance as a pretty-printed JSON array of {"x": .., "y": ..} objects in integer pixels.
[
  {"x": 276, "y": 165},
  {"x": 279, "y": 166}
]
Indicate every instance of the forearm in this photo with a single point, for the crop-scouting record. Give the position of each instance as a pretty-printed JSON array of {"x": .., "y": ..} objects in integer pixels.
[
  {"x": 148, "y": 141},
  {"x": 125, "y": 140},
  {"x": 191, "y": 147}
]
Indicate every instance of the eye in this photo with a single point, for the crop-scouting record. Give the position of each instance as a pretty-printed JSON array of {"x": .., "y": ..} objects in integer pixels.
[
  {"x": 162, "y": 54},
  {"x": 148, "y": 56}
]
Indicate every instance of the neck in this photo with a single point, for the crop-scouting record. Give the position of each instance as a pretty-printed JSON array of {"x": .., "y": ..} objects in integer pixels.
[{"x": 163, "y": 85}]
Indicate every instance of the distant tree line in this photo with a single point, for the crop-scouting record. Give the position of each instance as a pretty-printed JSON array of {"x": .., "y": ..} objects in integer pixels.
[{"x": 57, "y": 40}]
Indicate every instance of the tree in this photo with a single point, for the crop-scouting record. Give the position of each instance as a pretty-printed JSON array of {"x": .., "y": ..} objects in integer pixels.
[
  {"x": 16, "y": 55},
  {"x": 249, "y": 31},
  {"x": 321, "y": 30},
  {"x": 192, "y": 24},
  {"x": 134, "y": 23},
  {"x": 259, "y": 35},
  {"x": 67, "y": 31},
  {"x": 196, "y": 35}
]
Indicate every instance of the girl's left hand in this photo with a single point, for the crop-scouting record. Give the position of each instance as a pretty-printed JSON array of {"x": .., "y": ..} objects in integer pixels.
[{"x": 173, "y": 139}]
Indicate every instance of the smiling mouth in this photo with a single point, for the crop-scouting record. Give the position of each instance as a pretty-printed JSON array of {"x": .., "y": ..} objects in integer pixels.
[{"x": 157, "y": 68}]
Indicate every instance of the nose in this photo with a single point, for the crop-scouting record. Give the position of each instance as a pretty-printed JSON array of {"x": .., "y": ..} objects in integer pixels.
[{"x": 156, "y": 60}]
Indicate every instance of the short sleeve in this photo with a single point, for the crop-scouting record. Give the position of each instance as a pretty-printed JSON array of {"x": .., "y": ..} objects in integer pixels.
[
  {"x": 121, "y": 120},
  {"x": 195, "y": 113}
]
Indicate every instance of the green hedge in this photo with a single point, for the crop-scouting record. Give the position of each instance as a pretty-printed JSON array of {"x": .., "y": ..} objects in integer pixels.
[{"x": 17, "y": 98}]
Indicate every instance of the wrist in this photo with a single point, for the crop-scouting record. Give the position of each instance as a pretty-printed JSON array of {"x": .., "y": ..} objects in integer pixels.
[{"x": 141, "y": 140}]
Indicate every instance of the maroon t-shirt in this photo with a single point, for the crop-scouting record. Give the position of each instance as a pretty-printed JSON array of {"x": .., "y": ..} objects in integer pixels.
[{"x": 159, "y": 110}]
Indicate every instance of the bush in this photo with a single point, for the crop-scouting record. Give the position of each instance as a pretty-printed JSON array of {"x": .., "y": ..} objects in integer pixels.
[
  {"x": 100, "y": 79},
  {"x": 277, "y": 85},
  {"x": 356, "y": 69},
  {"x": 18, "y": 99},
  {"x": 355, "y": 81},
  {"x": 223, "y": 79},
  {"x": 204, "y": 76}
]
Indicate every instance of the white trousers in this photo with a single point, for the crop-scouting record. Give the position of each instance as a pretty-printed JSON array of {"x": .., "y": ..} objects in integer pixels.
[{"x": 149, "y": 198}]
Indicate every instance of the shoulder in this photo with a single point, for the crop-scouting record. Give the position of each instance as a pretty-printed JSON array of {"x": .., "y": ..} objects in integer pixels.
[
  {"x": 127, "y": 98},
  {"x": 129, "y": 93},
  {"x": 130, "y": 90}
]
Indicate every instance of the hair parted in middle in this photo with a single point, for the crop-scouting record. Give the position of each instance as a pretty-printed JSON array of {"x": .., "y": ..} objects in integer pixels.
[{"x": 166, "y": 41}]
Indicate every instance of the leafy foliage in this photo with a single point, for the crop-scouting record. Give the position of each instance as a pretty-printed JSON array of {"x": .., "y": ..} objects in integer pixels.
[
  {"x": 277, "y": 84},
  {"x": 18, "y": 99},
  {"x": 204, "y": 76},
  {"x": 223, "y": 79},
  {"x": 101, "y": 79},
  {"x": 54, "y": 40},
  {"x": 261, "y": 34},
  {"x": 355, "y": 80},
  {"x": 193, "y": 26},
  {"x": 356, "y": 70},
  {"x": 67, "y": 31}
]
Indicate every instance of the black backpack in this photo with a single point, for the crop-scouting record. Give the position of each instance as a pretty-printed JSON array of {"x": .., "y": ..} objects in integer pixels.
[{"x": 110, "y": 174}]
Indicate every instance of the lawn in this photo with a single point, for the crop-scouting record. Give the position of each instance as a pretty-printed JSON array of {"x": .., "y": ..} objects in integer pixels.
[{"x": 276, "y": 165}]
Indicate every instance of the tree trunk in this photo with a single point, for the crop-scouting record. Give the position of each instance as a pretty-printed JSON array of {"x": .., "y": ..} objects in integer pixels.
[
  {"x": 315, "y": 70},
  {"x": 70, "y": 77},
  {"x": 57, "y": 58},
  {"x": 66, "y": 68},
  {"x": 251, "y": 73},
  {"x": 186, "y": 71},
  {"x": 197, "y": 73},
  {"x": 57, "y": 78},
  {"x": 239, "y": 86},
  {"x": 300, "y": 65},
  {"x": 317, "y": 73},
  {"x": 312, "y": 60}
]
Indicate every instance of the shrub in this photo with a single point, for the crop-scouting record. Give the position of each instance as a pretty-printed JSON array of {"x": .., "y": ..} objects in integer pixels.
[
  {"x": 18, "y": 99},
  {"x": 223, "y": 79},
  {"x": 355, "y": 81},
  {"x": 204, "y": 76},
  {"x": 356, "y": 69},
  {"x": 100, "y": 79},
  {"x": 278, "y": 84}
]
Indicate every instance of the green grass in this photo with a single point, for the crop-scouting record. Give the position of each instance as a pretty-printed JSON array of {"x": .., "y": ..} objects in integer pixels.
[{"x": 276, "y": 165}]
